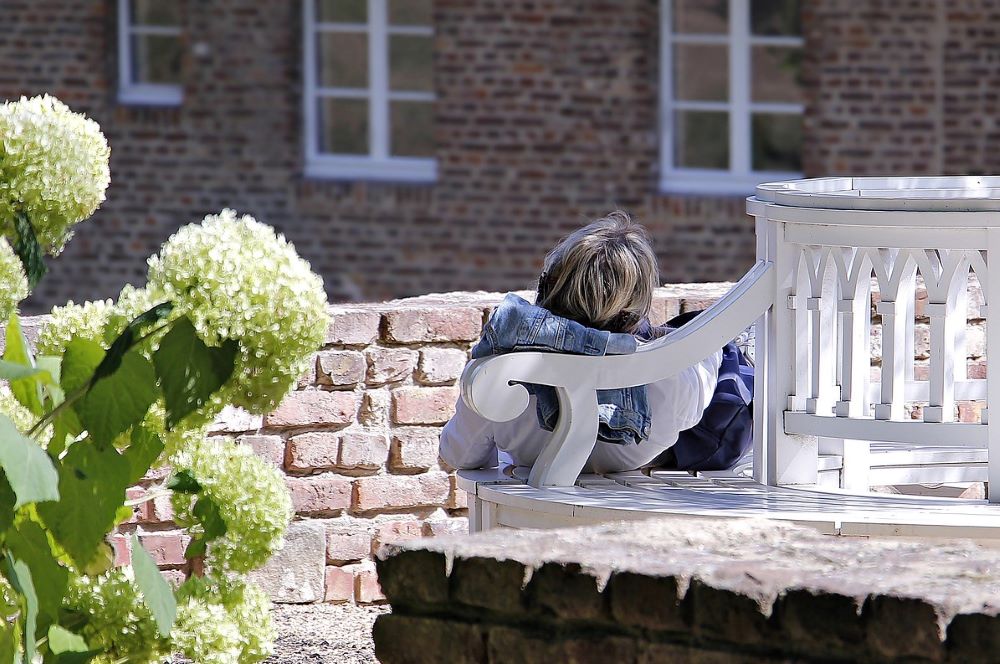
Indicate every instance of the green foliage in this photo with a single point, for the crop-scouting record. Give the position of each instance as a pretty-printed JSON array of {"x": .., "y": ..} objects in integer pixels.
[
  {"x": 120, "y": 388},
  {"x": 157, "y": 594},
  {"x": 189, "y": 370}
]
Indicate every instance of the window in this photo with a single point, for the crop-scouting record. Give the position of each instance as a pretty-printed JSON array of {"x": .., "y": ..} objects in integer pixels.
[
  {"x": 731, "y": 95},
  {"x": 369, "y": 92},
  {"x": 149, "y": 52}
]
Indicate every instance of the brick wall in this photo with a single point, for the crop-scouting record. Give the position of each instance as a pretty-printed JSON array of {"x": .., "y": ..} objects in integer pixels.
[
  {"x": 686, "y": 590},
  {"x": 547, "y": 116}
]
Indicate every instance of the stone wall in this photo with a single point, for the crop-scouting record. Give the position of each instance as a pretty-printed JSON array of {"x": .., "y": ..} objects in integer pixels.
[{"x": 686, "y": 590}]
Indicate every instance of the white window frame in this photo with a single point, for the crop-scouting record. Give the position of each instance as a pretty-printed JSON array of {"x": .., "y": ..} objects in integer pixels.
[
  {"x": 379, "y": 164},
  {"x": 129, "y": 91},
  {"x": 740, "y": 178}
]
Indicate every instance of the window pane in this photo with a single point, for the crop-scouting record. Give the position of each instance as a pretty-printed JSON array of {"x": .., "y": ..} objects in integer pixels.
[
  {"x": 411, "y": 63},
  {"x": 342, "y": 11},
  {"x": 156, "y": 59},
  {"x": 701, "y": 73},
  {"x": 775, "y": 17},
  {"x": 343, "y": 126},
  {"x": 777, "y": 142},
  {"x": 154, "y": 12},
  {"x": 343, "y": 59},
  {"x": 700, "y": 16},
  {"x": 701, "y": 139},
  {"x": 776, "y": 72},
  {"x": 412, "y": 128},
  {"x": 411, "y": 12}
]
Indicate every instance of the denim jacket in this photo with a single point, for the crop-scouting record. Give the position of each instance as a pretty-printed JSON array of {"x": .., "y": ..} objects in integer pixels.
[{"x": 517, "y": 325}]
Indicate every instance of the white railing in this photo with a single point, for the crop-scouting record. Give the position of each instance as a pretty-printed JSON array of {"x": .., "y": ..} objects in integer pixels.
[{"x": 831, "y": 240}]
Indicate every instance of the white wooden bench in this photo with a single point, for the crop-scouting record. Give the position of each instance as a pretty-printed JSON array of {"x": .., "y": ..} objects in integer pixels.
[{"x": 825, "y": 431}]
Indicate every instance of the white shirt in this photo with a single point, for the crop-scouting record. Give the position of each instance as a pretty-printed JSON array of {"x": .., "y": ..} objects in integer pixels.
[{"x": 676, "y": 403}]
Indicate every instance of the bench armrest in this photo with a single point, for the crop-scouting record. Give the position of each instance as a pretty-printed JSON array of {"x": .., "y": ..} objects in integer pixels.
[{"x": 488, "y": 390}]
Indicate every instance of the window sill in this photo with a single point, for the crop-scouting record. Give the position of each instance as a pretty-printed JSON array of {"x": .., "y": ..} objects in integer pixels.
[
  {"x": 718, "y": 184},
  {"x": 151, "y": 95},
  {"x": 383, "y": 170}
]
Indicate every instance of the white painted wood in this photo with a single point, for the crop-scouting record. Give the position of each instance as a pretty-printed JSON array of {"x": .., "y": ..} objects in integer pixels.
[
  {"x": 958, "y": 434},
  {"x": 131, "y": 91},
  {"x": 991, "y": 285}
]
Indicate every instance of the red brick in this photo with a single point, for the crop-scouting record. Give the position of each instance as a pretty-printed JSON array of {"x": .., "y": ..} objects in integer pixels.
[
  {"x": 352, "y": 327},
  {"x": 175, "y": 577},
  {"x": 389, "y": 365},
  {"x": 122, "y": 548},
  {"x": 397, "y": 531},
  {"x": 314, "y": 408},
  {"x": 340, "y": 367},
  {"x": 367, "y": 589},
  {"x": 309, "y": 451},
  {"x": 346, "y": 544},
  {"x": 269, "y": 448},
  {"x": 141, "y": 511},
  {"x": 363, "y": 450},
  {"x": 162, "y": 510},
  {"x": 392, "y": 492},
  {"x": 458, "y": 525},
  {"x": 435, "y": 324},
  {"x": 457, "y": 498},
  {"x": 414, "y": 449},
  {"x": 321, "y": 494},
  {"x": 166, "y": 548},
  {"x": 423, "y": 405},
  {"x": 339, "y": 585},
  {"x": 440, "y": 365},
  {"x": 375, "y": 408}
]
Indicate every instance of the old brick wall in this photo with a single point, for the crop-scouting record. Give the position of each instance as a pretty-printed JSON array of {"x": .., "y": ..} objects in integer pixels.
[
  {"x": 547, "y": 116},
  {"x": 687, "y": 590}
]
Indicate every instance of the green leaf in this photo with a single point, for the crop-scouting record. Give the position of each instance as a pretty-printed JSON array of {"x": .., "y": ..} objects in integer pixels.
[
  {"x": 116, "y": 402},
  {"x": 129, "y": 337},
  {"x": 79, "y": 360},
  {"x": 92, "y": 482},
  {"x": 16, "y": 351},
  {"x": 7, "y": 500},
  {"x": 29, "y": 469},
  {"x": 104, "y": 556},
  {"x": 142, "y": 452},
  {"x": 9, "y": 642},
  {"x": 19, "y": 575},
  {"x": 62, "y": 640},
  {"x": 189, "y": 370},
  {"x": 183, "y": 482},
  {"x": 206, "y": 511},
  {"x": 156, "y": 592},
  {"x": 11, "y": 371},
  {"x": 28, "y": 542},
  {"x": 28, "y": 250}
]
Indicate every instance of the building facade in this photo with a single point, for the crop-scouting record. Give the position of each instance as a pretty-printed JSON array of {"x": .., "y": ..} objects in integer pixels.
[{"x": 411, "y": 146}]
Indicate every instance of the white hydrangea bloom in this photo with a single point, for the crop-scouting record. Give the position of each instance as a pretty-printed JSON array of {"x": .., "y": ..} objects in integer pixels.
[
  {"x": 118, "y": 619},
  {"x": 223, "y": 622},
  {"x": 53, "y": 167},
  {"x": 237, "y": 279},
  {"x": 73, "y": 321},
  {"x": 13, "y": 282},
  {"x": 250, "y": 494}
]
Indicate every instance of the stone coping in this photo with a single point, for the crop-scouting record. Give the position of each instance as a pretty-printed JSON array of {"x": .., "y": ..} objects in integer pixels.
[{"x": 764, "y": 589}]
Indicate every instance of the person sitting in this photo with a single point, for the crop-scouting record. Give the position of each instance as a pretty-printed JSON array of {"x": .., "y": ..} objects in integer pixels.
[{"x": 593, "y": 298}]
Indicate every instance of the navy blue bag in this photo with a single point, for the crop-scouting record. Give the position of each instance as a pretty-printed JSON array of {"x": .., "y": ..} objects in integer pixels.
[{"x": 725, "y": 431}]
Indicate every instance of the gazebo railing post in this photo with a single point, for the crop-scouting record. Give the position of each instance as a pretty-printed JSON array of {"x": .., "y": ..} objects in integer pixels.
[{"x": 991, "y": 288}]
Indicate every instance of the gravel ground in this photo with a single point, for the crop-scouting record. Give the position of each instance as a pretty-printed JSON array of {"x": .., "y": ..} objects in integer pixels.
[{"x": 328, "y": 633}]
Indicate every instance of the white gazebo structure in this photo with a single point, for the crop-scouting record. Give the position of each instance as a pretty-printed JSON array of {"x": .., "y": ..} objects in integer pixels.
[{"x": 827, "y": 427}]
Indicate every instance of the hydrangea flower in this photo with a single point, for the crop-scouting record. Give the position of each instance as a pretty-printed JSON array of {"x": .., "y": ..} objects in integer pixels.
[
  {"x": 13, "y": 282},
  {"x": 53, "y": 167},
  {"x": 223, "y": 621},
  {"x": 250, "y": 495},
  {"x": 118, "y": 620},
  {"x": 73, "y": 321},
  {"x": 237, "y": 279}
]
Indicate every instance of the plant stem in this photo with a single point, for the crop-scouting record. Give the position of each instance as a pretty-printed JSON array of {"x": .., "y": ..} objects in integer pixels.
[{"x": 55, "y": 412}]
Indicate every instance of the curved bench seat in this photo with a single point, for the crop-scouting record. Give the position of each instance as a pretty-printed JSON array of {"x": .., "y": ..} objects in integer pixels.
[{"x": 500, "y": 500}]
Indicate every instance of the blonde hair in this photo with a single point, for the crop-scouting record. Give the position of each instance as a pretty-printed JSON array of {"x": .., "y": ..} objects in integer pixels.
[{"x": 601, "y": 275}]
